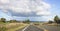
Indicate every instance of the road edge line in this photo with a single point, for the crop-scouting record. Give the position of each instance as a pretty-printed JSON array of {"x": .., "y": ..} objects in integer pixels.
[{"x": 25, "y": 28}]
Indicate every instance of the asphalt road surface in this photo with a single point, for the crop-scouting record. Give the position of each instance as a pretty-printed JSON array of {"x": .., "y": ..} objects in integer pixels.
[
  {"x": 31, "y": 28},
  {"x": 51, "y": 28}
]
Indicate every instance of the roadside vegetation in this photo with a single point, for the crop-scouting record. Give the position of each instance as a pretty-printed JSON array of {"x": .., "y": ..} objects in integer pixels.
[
  {"x": 12, "y": 25},
  {"x": 55, "y": 22},
  {"x": 50, "y": 25},
  {"x": 57, "y": 19}
]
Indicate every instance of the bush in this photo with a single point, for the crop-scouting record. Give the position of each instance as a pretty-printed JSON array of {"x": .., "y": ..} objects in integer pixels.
[
  {"x": 26, "y": 21},
  {"x": 50, "y": 22},
  {"x": 12, "y": 21},
  {"x": 2, "y": 28},
  {"x": 2, "y": 20},
  {"x": 36, "y": 24}
]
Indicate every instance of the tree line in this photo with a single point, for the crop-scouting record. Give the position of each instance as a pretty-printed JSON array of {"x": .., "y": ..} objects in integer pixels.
[
  {"x": 12, "y": 21},
  {"x": 4, "y": 20}
]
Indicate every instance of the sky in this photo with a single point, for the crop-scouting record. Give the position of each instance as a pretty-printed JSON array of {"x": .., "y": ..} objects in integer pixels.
[{"x": 35, "y": 10}]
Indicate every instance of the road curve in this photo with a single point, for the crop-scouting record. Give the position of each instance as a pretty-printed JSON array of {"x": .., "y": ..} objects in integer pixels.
[{"x": 31, "y": 28}]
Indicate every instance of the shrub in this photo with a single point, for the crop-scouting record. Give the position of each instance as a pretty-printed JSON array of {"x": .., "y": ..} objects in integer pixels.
[
  {"x": 2, "y": 20},
  {"x": 50, "y": 22},
  {"x": 2, "y": 28}
]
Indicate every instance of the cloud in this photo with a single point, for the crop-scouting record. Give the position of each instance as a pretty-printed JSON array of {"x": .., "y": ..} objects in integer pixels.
[
  {"x": 4, "y": 15},
  {"x": 25, "y": 7}
]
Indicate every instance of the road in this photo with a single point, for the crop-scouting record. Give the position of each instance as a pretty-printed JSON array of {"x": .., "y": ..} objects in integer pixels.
[
  {"x": 31, "y": 28},
  {"x": 50, "y": 28}
]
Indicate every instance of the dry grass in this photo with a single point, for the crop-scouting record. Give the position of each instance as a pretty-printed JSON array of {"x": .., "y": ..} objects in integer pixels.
[
  {"x": 53, "y": 24},
  {"x": 13, "y": 26}
]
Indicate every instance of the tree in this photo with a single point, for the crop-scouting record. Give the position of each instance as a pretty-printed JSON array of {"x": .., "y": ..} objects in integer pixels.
[
  {"x": 56, "y": 19},
  {"x": 26, "y": 21},
  {"x": 13, "y": 21},
  {"x": 3, "y": 20},
  {"x": 50, "y": 21}
]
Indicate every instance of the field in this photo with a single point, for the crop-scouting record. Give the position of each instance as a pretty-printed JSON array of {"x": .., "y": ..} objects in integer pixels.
[{"x": 11, "y": 26}]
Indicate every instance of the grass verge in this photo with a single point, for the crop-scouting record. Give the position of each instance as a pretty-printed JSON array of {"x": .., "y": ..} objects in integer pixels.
[{"x": 16, "y": 28}]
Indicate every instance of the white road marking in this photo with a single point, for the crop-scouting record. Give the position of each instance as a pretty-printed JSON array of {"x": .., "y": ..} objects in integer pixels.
[{"x": 25, "y": 28}]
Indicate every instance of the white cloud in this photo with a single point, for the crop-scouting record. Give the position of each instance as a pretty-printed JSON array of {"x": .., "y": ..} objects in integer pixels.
[
  {"x": 26, "y": 6},
  {"x": 4, "y": 1},
  {"x": 43, "y": 13}
]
